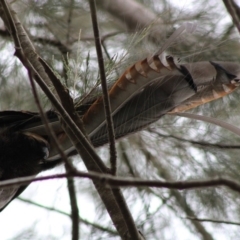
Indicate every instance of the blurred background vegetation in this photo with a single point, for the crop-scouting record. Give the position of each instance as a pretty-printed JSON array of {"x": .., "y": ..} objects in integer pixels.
[{"x": 171, "y": 149}]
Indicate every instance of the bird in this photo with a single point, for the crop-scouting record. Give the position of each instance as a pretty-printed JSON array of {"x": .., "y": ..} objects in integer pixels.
[
  {"x": 25, "y": 148},
  {"x": 146, "y": 91}
]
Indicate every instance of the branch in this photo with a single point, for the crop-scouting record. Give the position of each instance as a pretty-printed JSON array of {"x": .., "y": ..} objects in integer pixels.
[
  {"x": 233, "y": 10},
  {"x": 56, "y": 43},
  {"x": 212, "y": 220},
  {"x": 107, "y": 181},
  {"x": 68, "y": 165},
  {"x": 205, "y": 144},
  {"x": 74, "y": 208},
  {"x": 46, "y": 124},
  {"x": 81, "y": 220},
  {"x": 107, "y": 106},
  {"x": 179, "y": 198}
]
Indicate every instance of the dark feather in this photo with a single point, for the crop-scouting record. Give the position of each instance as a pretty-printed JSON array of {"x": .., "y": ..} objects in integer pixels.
[
  {"x": 24, "y": 140},
  {"x": 21, "y": 155}
]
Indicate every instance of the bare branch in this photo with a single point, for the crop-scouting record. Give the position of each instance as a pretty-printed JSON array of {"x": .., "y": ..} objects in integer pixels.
[
  {"x": 212, "y": 220},
  {"x": 233, "y": 10},
  {"x": 48, "y": 127},
  {"x": 179, "y": 198},
  {"x": 107, "y": 106},
  {"x": 205, "y": 144},
  {"x": 81, "y": 220},
  {"x": 74, "y": 209},
  {"x": 110, "y": 181}
]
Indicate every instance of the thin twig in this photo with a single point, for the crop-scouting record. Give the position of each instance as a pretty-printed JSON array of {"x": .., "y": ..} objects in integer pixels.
[
  {"x": 70, "y": 181},
  {"x": 81, "y": 220},
  {"x": 112, "y": 181},
  {"x": 107, "y": 106},
  {"x": 58, "y": 44},
  {"x": 74, "y": 209},
  {"x": 47, "y": 126},
  {"x": 231, "y": 8},
  {"x": 212, "y": 220},
  {"x": 205, "y": 144},
  {"x": 180, "y": 199}
]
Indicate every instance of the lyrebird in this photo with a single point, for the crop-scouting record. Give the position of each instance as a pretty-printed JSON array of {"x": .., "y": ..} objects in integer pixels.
[{"x": 149, "y": 89}]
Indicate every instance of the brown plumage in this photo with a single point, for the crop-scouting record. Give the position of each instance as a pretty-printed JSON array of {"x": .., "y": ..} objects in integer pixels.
[
  {"x": 24, "y": 143},
  {"x": 149, "y": 89}
]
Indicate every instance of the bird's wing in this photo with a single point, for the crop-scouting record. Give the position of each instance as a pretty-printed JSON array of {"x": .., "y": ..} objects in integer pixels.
[{"x": 169, "y": 89}]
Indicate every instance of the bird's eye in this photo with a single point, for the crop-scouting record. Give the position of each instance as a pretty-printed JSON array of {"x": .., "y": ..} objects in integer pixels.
[{"x": 46, "y": 152}]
